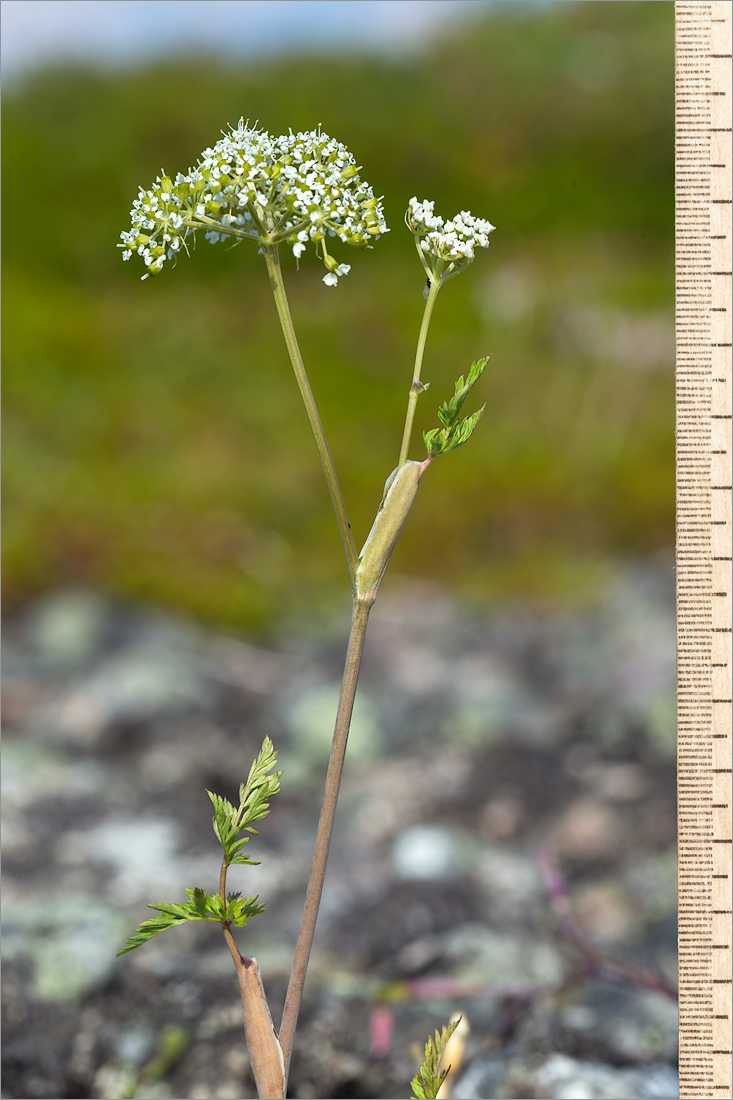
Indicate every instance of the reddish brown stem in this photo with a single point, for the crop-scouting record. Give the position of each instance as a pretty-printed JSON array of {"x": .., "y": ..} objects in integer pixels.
[{"x": 359, "y": 620}]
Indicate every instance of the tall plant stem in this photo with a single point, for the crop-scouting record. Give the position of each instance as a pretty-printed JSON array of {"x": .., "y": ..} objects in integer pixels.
[
  {"x": 416, "y": 389},
  {"x": 359, "y": 620},
  {"x": 272, "y": 259}
]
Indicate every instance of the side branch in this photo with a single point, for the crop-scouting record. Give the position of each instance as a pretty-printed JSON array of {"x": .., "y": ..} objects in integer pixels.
[{"x": 278, "y": 289}]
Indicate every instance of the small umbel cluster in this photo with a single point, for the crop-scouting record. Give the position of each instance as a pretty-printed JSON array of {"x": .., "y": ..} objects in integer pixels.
[
  {"x": 445, "y": 247},
  {"x": 294, "y": 188}
]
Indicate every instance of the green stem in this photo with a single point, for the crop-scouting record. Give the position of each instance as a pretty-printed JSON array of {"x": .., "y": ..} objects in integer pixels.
[
  {"x": 272, "y": 260},
  {"x": 359, "y": 620},
  {"x": 417, "y": 388}
]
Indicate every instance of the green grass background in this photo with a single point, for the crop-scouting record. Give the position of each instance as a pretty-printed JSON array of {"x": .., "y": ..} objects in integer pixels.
[{"x": 154, "y": 443}]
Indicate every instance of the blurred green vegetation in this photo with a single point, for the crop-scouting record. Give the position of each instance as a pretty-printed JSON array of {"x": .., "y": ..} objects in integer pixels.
[{"x": 154, "y": 443}]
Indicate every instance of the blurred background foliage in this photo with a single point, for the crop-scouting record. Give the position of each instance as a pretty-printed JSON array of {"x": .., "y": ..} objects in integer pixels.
[{"x": 154, "y": 442}]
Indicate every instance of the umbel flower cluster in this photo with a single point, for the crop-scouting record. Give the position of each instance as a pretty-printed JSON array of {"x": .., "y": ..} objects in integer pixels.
[
  {"x": 445, "y": 247},
  {"x": 296, "y": 188}
]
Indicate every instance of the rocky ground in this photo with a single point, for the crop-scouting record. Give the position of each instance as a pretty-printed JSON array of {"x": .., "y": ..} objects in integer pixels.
[{"x": 505, "y": 848}]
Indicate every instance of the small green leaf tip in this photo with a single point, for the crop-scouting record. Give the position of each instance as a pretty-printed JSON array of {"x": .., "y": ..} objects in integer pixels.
[
  {"x": 428, "y": 1079},
  {"x": 455, "y": 432},
  {"x": 229, "y": 821}
]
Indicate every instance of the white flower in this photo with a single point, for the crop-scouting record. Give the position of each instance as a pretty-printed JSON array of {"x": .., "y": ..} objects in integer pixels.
[
  {"x": 333, "y": 276},
  {"x": 250, "y": 185},
  {"x": 445, "y": 248}
]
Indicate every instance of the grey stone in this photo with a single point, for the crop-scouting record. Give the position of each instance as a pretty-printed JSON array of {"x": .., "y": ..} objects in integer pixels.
[
  {"x": 136, "y": 685},
  {"x": 646, "y": 1030},
  {"x": 65, "y": 629},
  {"x": 503, "y": 960},
  {"x": 563, "y": 1078},
  {"x": 71, "y": 940},
  {"x": 483, "y": 1078},
  {"x": 505, "y": 1077},
  {"x": 309, "y": 713},
  {"x": 427, "y": 852},
  {"x": 511, "y": 881}
]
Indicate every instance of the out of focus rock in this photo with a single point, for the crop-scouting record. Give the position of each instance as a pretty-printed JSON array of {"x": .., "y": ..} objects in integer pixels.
[
  {"x": 561, "y": 1078},
  {"x": 477, "y": 740},
  {"x": 427, "y": 852}
]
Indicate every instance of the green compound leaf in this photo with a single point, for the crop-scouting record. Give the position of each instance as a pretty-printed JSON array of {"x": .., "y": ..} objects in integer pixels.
[
  {"x": 171, "y": 915},
  {"x": 455, "y": 432},
  {"x": 428, "y": 1079},
  {"x": 450, "y": 410},
  {"x": 240, "y": 909},
  {"x": 199, "y": 899},
  {"x": 440, "y": 442},
  {"x": 231, "y": 822},
  {"x": 201, "y": 907}
]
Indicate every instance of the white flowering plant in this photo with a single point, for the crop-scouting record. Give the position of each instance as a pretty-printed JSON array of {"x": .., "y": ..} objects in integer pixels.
[{"x": 298, "y": 189}]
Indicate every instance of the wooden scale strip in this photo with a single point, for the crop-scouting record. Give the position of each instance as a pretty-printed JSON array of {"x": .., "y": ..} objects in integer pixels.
[{"x": 704, "y": 547}]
